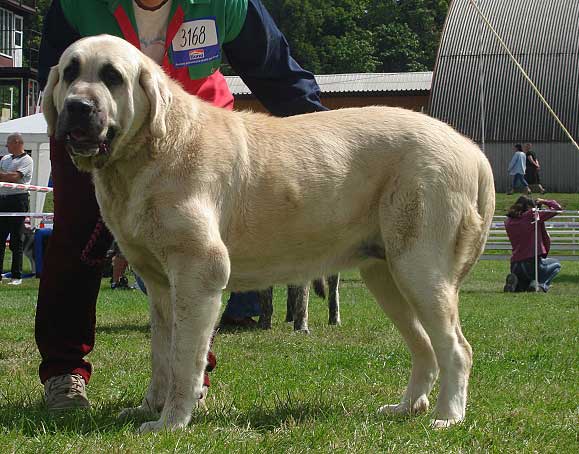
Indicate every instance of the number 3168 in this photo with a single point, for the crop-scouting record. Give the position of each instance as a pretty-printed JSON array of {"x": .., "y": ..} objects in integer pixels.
[{"x": 193, "y": 36}]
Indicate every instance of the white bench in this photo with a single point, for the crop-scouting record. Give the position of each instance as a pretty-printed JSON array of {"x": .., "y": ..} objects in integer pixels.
[{"x": 563, "y": 229}]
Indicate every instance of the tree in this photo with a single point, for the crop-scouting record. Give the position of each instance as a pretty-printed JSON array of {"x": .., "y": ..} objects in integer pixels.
[
  {"x": 339, "y": 36},
  {"x": 344, "y": 36},
  {"x": 32, "y": 29},
  {"x": 326, "y": 35}
]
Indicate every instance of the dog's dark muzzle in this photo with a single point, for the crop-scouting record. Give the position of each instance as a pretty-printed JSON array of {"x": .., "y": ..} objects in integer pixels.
[{"x": 82, "y": 126}]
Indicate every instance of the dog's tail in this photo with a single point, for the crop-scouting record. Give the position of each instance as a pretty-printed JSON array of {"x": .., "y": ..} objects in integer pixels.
[
  {"x": 320, "y": 287},
  {"x": 475, "y": 225}
]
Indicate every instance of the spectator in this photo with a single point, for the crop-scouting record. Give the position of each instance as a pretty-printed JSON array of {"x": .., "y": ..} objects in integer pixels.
[
  {"x": 517, "y": 168},
  {"x": 532, "y": 169},
  {"x": 15, "y": 167},
  {"x": 119, "y": 279},
  {"x": 520, "y": 229},
  {"x": 255, "y": 48}
]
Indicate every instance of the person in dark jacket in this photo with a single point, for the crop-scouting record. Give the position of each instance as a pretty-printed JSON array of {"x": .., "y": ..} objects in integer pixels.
[
  {"x": 188, "y": 38},
  {"x": 532, "y": 170}
]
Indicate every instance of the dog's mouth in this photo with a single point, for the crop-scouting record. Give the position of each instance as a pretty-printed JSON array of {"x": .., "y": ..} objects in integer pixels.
[{"x": 81, "y": 143}]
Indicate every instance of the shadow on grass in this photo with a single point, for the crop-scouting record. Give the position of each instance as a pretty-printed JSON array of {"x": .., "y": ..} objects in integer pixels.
[
  {"x": 124, "y": 328},
  {"x": 35, "y": 419},
  {"x": 267, "y": 417},
  {"x": 32, "y": 420}
]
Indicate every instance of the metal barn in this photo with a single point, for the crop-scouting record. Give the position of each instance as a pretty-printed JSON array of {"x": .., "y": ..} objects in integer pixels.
[{"x": 477, "y": 88}]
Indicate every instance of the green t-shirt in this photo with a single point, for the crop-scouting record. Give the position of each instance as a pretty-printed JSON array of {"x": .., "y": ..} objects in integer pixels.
[{"x": 198, "y": 27}]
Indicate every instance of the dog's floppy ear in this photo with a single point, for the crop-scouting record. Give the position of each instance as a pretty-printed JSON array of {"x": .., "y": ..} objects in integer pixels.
[
  {"x": 48, "y": 107},
  {"x": 159, "y": 99}
]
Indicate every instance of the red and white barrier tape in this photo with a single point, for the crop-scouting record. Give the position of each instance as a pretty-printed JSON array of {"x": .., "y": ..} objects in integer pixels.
[{"x": 27, "y": 187}]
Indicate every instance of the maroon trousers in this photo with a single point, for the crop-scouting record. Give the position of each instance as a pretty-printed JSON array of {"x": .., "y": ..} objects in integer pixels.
[{"x": 69, "y": 285}]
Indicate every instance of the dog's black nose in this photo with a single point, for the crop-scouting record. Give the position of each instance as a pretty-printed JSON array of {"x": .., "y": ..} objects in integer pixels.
[{"x": 79, "y": 106}]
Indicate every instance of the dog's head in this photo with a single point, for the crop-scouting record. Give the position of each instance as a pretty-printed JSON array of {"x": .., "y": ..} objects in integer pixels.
[{"x": 101, "y": 93}]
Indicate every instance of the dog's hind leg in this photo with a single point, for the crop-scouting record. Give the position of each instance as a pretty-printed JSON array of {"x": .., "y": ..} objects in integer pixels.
[
  {"x": 196, "y": 287},
  {"x": 298, "y": 298},
  {"x": 424, "y": 368},
  {"x": 161, "y": 320},
  {"x": 427, "y": 283}
]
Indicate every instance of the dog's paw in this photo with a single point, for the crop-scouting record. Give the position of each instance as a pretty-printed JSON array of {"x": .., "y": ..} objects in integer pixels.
[
  {"x": 160, "y": 426},
  {"x": 395, "y": 409},
  {"x": 152, "y": 427},
  {"x": 444, "y": 423},
  {"x": 419, "y": 406}
]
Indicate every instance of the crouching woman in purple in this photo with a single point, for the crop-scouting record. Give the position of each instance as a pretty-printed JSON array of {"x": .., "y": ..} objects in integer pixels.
[{"x": 521, "y": 231}]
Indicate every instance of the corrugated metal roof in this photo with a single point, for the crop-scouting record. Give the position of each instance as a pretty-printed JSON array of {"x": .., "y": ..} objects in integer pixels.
[
  {"x": 543, "y": 35},
  {"x": 356, "y": 83}
]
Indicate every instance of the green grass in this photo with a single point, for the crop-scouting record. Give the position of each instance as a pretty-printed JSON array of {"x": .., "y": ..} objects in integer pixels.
[
  {"x": 278, "y": 391},
  {"x": 568, "y": 201}
]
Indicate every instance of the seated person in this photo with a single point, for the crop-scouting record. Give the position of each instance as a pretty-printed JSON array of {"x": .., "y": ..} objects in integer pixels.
[
  {"x": 520, "y": 228},
  {"x": 118, "y": 279}
]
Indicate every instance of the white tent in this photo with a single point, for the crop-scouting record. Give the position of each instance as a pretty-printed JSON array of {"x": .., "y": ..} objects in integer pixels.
[{"x": 33, "y": 130}]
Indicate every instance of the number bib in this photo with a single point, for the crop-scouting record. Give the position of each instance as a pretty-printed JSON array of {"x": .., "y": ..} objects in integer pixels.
[{"x": 196, "y": 42}]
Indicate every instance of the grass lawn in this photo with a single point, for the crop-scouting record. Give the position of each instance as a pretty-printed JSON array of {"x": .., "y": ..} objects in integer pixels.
[
  {"x": 568, "y": 201},
  {"x": 278, "y": 391}
]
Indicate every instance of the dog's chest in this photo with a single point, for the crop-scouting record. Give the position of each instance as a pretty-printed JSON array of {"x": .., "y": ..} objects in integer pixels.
[{"x": 123, "y": 211}]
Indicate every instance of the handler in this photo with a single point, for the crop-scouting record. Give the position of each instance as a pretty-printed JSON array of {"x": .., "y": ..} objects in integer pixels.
[{"x": 188, "y": 39}]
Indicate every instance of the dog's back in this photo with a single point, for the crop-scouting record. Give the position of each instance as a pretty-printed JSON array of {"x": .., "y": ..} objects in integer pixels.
[{"x": 352, "y": 189}]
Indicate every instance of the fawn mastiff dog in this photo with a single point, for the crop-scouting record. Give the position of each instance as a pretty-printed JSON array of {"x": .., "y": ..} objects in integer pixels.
[{"x": 202, "y": 200}]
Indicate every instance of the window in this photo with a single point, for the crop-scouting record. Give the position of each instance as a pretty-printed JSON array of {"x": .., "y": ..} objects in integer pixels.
[
  {"x": 17, "y": 51},
  {"x": 32, "y": 97},
  {"x": 7, "y": 32},
  {"x": 9, "y": 99},
  {"x": 18, "y": 31}
]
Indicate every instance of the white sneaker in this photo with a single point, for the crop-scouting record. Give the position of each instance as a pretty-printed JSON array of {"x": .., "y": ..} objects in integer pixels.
[
  {"x": 15, "y": 282},
  {"x": 65, "y": 391}
]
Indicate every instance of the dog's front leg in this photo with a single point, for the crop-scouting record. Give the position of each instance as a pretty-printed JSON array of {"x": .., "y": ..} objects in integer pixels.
[
  {"x": 161, "y": 327},
  {"x": 196, "y": 287}
]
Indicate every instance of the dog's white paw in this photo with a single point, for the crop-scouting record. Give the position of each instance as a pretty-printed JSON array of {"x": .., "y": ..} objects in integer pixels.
[
  {"x": 404, "y": 408},
  {"x": 445, "y": 423},
  {"x": 394, "y": 409},
  {"x": 152, "y": 427},
  {"x": 163, "y": 424},
  {"x": 159, "y": 426}
]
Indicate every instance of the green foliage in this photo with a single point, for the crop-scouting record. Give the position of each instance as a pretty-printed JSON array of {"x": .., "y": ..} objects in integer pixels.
[{"x": 344, "y": 36}]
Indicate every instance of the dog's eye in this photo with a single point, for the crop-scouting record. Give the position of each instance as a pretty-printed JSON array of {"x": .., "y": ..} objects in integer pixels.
[
  {"x": 71, "y": 71},
  {"x": 110, "y": 76}
]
